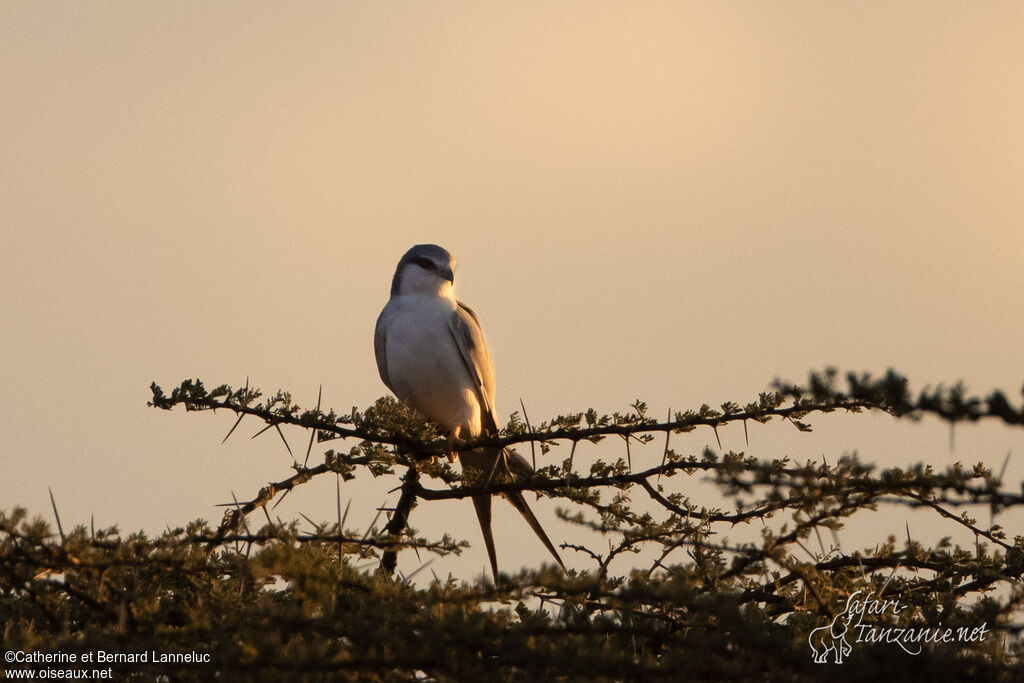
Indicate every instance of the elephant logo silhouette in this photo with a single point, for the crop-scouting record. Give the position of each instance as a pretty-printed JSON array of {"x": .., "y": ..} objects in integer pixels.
[{"x": 832, "y": 639}]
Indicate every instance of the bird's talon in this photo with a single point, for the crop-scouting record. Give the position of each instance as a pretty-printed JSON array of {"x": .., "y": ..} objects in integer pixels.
[{"x": 454, "y": 443}]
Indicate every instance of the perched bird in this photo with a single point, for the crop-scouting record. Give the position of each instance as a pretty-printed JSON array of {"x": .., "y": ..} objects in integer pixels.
[{"x": 431, "y": 353}]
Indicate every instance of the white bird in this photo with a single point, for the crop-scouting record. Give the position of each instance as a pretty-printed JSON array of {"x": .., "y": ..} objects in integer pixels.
[{"x": 431, "y": 353}]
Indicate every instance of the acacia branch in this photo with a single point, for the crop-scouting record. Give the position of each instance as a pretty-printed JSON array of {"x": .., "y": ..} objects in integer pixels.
[
  {"x": 400, "y": 516},
  {"x": 888, "y": 394}
]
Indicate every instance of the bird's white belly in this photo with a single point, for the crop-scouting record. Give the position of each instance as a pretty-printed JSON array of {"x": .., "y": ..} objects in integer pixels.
[{"x": 427, "y": 370}]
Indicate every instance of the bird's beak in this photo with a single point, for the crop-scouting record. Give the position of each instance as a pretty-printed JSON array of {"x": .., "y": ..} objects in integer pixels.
[{"x": 448, "y": 275}]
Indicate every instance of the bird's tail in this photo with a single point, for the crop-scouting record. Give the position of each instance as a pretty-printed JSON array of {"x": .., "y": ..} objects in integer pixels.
[
  {"x": 519, "y": 503},
  {"x": 491, "y": 464},
  {"x": 483, "y": 515}
]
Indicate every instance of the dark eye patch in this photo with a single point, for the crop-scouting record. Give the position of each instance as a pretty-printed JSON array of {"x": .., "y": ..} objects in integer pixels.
[{"x": 425, "y": 263}]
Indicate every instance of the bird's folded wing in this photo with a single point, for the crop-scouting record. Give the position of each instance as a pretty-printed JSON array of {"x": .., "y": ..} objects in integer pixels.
[
  {"x": 380, "y": 343},
  {"x": 469, "y": 338}
]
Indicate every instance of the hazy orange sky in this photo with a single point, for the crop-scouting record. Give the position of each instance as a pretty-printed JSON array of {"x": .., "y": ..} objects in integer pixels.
[{"x": 672, "y": 201}]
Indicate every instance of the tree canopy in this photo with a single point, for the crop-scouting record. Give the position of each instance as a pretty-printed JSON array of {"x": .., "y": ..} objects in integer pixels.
[{"x": 256, "y": 599}]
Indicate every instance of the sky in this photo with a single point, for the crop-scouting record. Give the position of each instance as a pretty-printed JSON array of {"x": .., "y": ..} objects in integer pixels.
[{"x": 677, "y": 202}]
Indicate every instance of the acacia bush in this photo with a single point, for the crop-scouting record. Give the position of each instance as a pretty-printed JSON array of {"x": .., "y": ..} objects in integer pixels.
[{"x": 254, "y": 599}]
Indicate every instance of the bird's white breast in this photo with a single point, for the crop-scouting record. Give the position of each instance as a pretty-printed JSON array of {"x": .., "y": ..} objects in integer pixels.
[{"x": 424, "y": 364}]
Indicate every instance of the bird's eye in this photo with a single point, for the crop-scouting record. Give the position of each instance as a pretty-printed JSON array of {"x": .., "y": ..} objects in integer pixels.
[{"x": 425, "y": 263}]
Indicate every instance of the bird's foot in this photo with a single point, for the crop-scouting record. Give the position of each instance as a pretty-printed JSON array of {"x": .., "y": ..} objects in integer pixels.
[{"x": 454, "y": 442}]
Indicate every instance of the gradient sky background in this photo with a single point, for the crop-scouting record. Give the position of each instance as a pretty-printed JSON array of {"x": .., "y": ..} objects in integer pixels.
[{"x": 672, "y": 201}]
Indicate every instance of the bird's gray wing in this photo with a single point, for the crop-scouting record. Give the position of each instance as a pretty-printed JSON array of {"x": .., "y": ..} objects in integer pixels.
[
  {"x": 469, "y": 338},
  {"x": 487, "y": 462},
  {"x": 380, "y": 346}
]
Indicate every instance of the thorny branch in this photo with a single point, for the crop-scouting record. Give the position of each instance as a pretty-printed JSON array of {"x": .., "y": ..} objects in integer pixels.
[
  {"x": 400, "y": 516},
  {"x": 828, "y": 493},
  {"x": 889, "y": 394}
]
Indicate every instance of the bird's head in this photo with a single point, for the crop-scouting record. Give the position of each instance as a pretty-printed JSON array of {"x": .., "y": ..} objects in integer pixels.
[{"x": 424, "y": 269}]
